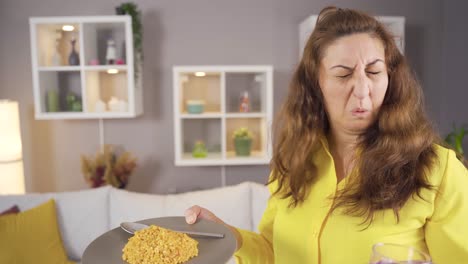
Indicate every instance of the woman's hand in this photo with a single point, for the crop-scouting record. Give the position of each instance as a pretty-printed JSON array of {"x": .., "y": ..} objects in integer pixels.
[{"x": 195, "y": 212}]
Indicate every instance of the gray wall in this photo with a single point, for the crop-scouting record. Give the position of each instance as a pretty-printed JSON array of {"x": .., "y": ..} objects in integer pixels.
[
  {"x": 206, "y": 32},
  {"x": 454, "y": 91}
]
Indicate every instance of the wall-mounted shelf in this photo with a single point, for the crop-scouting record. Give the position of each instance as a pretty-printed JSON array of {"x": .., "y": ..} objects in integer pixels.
[
  {"x": 220, "y": 89},
  {"x": 90, "y": 86}
]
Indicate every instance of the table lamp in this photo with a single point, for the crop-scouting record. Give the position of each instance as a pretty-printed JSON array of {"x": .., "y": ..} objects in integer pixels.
[{"x": 11, "y": 162}]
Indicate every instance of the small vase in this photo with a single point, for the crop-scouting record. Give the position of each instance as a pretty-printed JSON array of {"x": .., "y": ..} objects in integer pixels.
[
  {"x": 243, "y": 146},
  {"x": 199, "y": 150},
  {"x": 73, "y": 59},
  {"x": 52, "y": 101}
]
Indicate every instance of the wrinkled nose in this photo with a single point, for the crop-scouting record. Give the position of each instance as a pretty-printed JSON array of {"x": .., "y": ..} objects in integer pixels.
[{"x": 361, "y": 86}]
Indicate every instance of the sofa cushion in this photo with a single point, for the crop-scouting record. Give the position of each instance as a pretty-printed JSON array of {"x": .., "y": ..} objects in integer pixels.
[
  {"x": 82, "y": 215},
  {"x": 260, "y": 196},
  {"x": 231, "y": 204},
  {"x": 32, "y": 236},
  {"x": 126, "y": 206}
]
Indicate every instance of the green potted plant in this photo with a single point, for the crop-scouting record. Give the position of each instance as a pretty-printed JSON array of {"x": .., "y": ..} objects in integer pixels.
[
  {"x": 455, "y": 139},
  {"x": 242, "y": 141}
]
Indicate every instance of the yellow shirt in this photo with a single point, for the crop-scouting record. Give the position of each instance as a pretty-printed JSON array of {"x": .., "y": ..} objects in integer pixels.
[{"x": 309, "y": 234}]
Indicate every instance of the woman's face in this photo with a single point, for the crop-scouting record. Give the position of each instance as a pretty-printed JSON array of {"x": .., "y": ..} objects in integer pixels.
[{"x": 353, "y": 79}]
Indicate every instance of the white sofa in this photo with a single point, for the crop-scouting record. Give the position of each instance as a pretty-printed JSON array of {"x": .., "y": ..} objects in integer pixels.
[{"x": 85, "y": 215}]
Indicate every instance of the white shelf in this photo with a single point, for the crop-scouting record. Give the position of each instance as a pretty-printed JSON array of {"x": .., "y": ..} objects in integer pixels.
[
  {"x": 87, "y": 68},
  {"x": 73, "y": 19},
  {"x": 256, "y": 157},
  {"x": 85, "y": 83},
  {"x": 105, "y": 67},
  {"x": 246, "y": 115},
  {"x": 80, "y": 115},
  {"x": 59, "y": 68},
  {"x": 223, "y": 68},
  {"x": 395, "y": 24},
  {"x": 189, "y": 160},
  {"x": 219, "y": 88},
  {"x": 215, "y": 159},
  {"x": 201, "y": 116}
]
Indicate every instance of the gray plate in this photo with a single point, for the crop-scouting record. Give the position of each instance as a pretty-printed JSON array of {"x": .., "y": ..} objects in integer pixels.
[{"x": 107, "y": 249}]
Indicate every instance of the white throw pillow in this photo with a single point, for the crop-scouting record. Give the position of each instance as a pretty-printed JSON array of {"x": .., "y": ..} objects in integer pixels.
[
  {"x": 24, "y": 202},
  {"x": 231, "y": 204},
  {"x": 128, "y": 206},
  {"x": 82, "y": 215},
  {"x": 260, "y": 196}
]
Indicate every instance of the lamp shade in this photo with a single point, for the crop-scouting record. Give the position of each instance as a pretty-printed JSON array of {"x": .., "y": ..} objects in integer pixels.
[{"x": 11, "y": 163}]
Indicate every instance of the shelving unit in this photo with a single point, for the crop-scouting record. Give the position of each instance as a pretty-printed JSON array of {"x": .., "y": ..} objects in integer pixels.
[
  {"x": 220, "y": 88},
  {"x": 92, "y": 87},
  {"x": 395, "y": 24}
]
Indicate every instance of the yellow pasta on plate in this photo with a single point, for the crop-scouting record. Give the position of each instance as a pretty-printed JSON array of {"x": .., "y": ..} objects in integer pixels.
[
  {"x": 157, "y": 245},
  {"x": 115, "y": 247}
]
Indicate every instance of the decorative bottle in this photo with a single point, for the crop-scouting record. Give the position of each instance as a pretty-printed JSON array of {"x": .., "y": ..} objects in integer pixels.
[
  {"x": 244, "y": 105},
  {"x": 110, "y": 52},
  {"x": 73, "y": 59}
]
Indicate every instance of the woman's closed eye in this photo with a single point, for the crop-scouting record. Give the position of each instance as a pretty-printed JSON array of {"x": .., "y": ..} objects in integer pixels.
[
  {"x": 344, "y": 75},
  {"x": 373, "y": 72}
]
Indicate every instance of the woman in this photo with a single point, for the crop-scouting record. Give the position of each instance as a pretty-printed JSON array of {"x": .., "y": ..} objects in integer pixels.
[{"x": 355, "y": 160}]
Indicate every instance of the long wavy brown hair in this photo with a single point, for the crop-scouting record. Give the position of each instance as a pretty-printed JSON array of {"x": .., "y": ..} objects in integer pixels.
[{"x": 397, "y": 148}]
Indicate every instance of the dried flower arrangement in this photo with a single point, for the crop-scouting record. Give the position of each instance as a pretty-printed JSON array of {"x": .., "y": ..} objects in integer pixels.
[{"x": 109, "y": 166}]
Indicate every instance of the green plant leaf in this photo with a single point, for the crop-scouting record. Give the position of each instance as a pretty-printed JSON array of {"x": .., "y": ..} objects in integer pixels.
[{"x": 455, "y": 138}]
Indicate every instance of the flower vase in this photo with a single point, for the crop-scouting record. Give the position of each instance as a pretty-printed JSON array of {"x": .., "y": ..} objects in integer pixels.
[{"x": 73, "y": 59}]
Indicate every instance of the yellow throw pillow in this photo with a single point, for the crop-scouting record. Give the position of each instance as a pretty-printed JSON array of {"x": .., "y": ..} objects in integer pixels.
[{"x": 32, "y": 236}]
